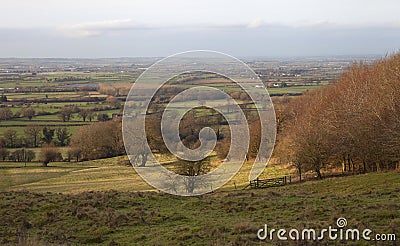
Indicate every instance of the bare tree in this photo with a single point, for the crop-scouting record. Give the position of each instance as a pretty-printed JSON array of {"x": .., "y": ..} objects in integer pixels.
[
  {"x": 5, "y": 114},
  {"x": 354, "y": 123},
  {"x": 10, "y": 137},
  {"x": 28, "y": 112},
  {"x": 99, "y": 140},
  {"x": 33, "y": 132},
  {"x": 66, "y": 114},
  {"x": 49, "y": 154}
]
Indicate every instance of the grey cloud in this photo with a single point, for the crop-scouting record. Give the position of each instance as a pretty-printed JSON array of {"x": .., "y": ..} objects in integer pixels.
[
  {"x": 90, "y": 29},
  {"x": 260, "y": 40}
]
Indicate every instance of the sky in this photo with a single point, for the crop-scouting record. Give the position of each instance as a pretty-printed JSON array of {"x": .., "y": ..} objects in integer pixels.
[{"x": 138, "y": 28}]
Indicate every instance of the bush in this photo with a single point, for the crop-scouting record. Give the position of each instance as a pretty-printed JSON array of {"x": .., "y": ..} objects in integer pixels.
[
  {"x": 49, "y": 154},
  {"x": 99, "y": 140},
  {"x": 103, "y": 117}
]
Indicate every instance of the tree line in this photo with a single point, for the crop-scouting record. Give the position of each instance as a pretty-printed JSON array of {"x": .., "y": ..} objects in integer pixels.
[
  {"x": 352, "y": 125},
  {"x": 35, "y": 136},
  {"x": 65, "y": 114}
]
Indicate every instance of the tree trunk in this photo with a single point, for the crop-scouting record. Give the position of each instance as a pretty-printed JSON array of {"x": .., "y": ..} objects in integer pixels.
[
  {"x": 365, "y": 166},
  {"x": 378, "y": 166},
  {"x": 348, "y": 162},
  {"x": 190, "y": 185},
  {"x": 352, "y": 165},
  {"x": 144, "y": 160},
  {"x": 299, "y": 173},
  {"x": 319, "y": 175}
]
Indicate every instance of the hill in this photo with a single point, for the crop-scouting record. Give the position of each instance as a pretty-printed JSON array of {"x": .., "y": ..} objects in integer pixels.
[{"x": 221, "y": 218}]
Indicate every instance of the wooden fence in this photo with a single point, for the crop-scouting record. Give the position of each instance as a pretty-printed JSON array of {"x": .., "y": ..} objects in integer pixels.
[{"x": 265, "y": 183}]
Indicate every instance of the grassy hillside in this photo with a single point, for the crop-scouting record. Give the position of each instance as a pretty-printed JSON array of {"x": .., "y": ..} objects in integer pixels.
[
  {"x": 97, "y": 175},
  {"x": 221, "y": 218}
]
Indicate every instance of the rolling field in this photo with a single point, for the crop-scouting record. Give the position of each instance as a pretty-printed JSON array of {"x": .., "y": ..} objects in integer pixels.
[
  {"x": 71, "y": 177},
  {"x": 97, "y": 175},
  {"x": 52, "y": 120},
  {"x": 105, "y": 202},
  {"x": 231, "y": 217},
  {"x": 23, "y": 90}
]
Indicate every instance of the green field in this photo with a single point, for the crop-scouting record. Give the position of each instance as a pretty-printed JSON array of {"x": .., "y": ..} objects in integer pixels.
[
  {"x": 291, "y": 90},
  {"x": 47, "y": 79},
  {"x": 25, "y": 89},
  {"x": 97, "y": 175},
  {"x": 52, "y": 120},
  {"x": 226, "y": 217}
]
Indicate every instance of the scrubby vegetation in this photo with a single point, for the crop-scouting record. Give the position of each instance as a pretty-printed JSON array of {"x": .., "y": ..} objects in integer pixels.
[
  {"x": 100, "y": 140},
  {"x": 221, "y": 218},
  {"x": 353, "y": 125}
]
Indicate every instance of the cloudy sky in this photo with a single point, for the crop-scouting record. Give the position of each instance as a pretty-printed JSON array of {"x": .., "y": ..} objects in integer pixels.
[{"x": 132, "y": 28}]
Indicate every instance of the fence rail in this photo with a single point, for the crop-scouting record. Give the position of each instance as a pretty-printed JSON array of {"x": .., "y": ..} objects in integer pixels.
[{"x": 265, "y": 183}]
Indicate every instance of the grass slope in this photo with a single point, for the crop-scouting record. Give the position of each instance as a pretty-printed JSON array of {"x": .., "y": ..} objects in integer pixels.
[
  {"x": 221, "y": 218},
  {"x": 97, "y": 175}
]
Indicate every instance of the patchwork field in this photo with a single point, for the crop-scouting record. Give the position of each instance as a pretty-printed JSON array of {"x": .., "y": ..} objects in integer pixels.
[{"x": 105, "y": 202}]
